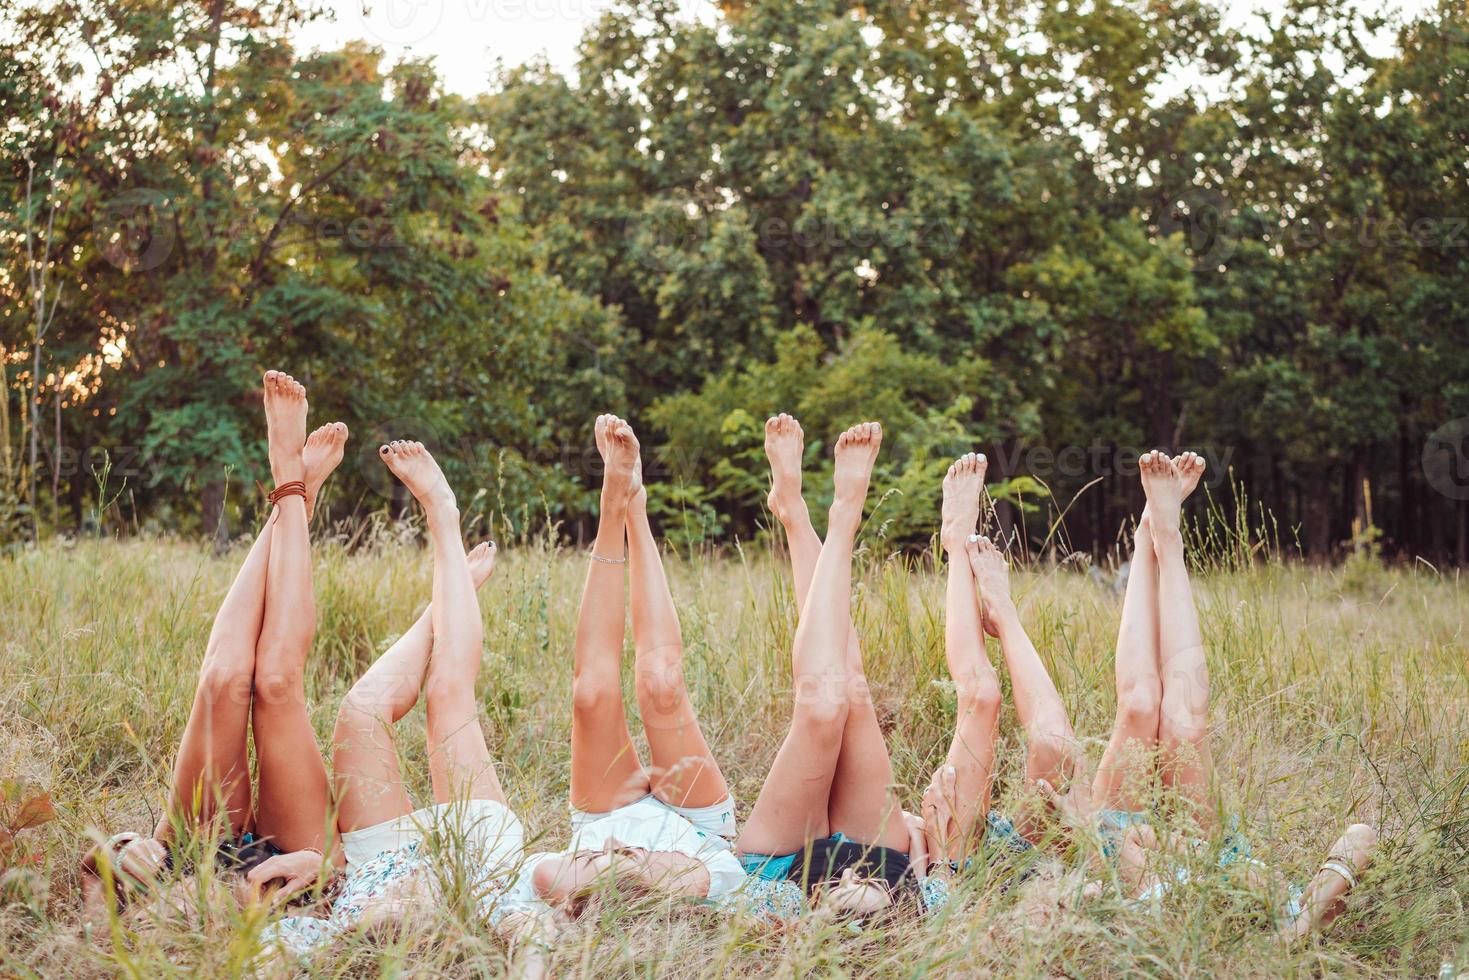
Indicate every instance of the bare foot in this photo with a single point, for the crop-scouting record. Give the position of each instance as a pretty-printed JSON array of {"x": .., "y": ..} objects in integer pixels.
[
  {"x": 785, "y": 444},
  {"x": 1190, "y": 468},
  {"x": 323, "y": 452},
  {"x": 856, "y": 452},
  {"x": 622, "y": 476},
  {"x": 285, "y": 426},
  {"x": 1164, "y": 490},
  {"x": 962, "y": 486},
  {"x": 481, "y": 560},
  {"x": 420, "y": 473},
  {"x": 992, "y": 574}
]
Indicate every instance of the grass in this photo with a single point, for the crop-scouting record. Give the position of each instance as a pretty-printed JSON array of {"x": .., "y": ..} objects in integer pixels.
[{"x": 1338, "y": 697}]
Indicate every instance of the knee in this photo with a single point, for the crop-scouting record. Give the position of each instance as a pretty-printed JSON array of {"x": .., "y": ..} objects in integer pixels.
[
  {"x": 593, "y": 694},
  {"x": 1139, "y": 707},
  {"x": 979, "y": 695},
  {"x": 364, "y": 707},
  {"x": 227, "y": 679},
  {"x": 821, "y": 721},
  {"x": 660, "y": 681}
]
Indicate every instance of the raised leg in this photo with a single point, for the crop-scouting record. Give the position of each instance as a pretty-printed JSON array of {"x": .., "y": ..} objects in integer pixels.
[
  {"x": 685, "y": 772},
  {"x": 1050, "y": 744},
  {"x": 459, "y": 761},
  {"x": 863, "y": 804},
  {"x": 1185, "y": 761},
  {"x": 212, "y": 768},
  {"x": 970, "y": 761},
  {"x": 605, "y": 769},
  {"x": 369, "y": 782},
  {"x": 1126, "y": 772},
  {"x": 294, "y": 794},
  {"x": 793, "y": 804}
]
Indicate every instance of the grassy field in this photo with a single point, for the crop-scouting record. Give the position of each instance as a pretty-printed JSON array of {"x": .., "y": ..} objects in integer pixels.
[{"x": 1339, "y": 696}]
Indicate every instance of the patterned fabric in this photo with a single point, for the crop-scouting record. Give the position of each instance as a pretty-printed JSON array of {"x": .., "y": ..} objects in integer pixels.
[
  {"x": 383, "y": 889},
  {"x": 935, "y": 893}
]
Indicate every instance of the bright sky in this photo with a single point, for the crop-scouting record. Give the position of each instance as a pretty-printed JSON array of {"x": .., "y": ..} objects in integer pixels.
[{"x": 467, "y": 37}]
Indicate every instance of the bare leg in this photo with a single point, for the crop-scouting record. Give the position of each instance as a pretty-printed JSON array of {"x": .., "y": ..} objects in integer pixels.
[
  {"x": 459, "y": 761},
  {"x": 369, "y": 784},
  {"x": 862, "y": 805},
  {"x": 685, "y": 772},
  {"x": 212, "y": 766},
  {"x": 1050, "y": 744},
  {"x": 605, "y": 769},
  {"x": 793, "y": 804},
  {"x": 1123, "y": 778},
  {"x": 971, "y": 757},
  {"x": 294, "y": 791},
  {"x": 1326, "y": 894},
  {"x": 1183, "y": 724}
]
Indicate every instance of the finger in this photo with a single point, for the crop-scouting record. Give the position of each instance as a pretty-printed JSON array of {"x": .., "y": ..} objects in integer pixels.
[{"x": 1049, "y": 792}]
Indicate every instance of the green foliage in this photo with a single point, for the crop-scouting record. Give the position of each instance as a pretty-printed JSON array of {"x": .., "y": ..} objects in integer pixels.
[{"x": 1095, "y": 228}]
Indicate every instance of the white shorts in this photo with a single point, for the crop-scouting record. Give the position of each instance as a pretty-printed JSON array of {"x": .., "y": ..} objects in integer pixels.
[
  {"x": 718, "y": 821},
  {"x": 486, "y": 832}
]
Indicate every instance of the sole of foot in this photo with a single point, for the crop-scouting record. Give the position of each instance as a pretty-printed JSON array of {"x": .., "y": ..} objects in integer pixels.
[
  {"x": 481, "y": 560},
  {"x": 420, "y": 473},
  {"x": 285, "y": 425},
  {"x": 323, "y": 453},
  {"x": 622, "y": 478},
  {"x": 1190, "y": 467},
  {"x": 785, "y": 447},
  {"x": 963, "y": 486},
  {"x": 856, "y": 452},
  {"x": 992, "y": 575},
  {"x": 1164, "y": 490}
]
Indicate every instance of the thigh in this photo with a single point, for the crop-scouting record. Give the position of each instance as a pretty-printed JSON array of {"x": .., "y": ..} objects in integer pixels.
[
  {"x": 211, "y": 775},
  {"x": 793, "y": 804},
  {"x": 365, "y": 766},
  {"x": 293, "y": 792},
  {"x": 684, "y": 770},
  {"x": 606, "y": 772},
  {"x": 459, "y": 760},
  {"x": 863, "y": 805}
]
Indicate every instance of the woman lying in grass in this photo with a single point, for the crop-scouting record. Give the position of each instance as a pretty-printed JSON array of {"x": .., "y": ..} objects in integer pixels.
[
  {"x": 403, "y": 865},
  {"x": 826, "y": 823},
  {"x": 1160, "y": 740},
  {"x": 251, "y": 676},
  {"x": 663, "y": 829}
]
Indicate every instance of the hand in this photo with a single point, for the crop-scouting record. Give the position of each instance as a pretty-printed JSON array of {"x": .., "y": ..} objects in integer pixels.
[
  {"x": 917, "y": 844},
  {"x": 296, "y": 871},
  {"x": 940, "y": 809},
  {"x": 1074, "y": 807}
]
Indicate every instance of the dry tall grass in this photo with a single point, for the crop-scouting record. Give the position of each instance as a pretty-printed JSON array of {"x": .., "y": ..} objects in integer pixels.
[{"x": 1339, "y": 696}]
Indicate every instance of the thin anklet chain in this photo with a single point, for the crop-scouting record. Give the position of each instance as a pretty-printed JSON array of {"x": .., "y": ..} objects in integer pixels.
[{"x": 609, "y": 561}]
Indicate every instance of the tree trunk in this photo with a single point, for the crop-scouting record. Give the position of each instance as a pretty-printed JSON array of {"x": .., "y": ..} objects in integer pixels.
[
  {"x": 1360, "y": 495},
  {"x": 1318, "y": 526},
  {"x": 216, "y": 523},
  {"x": 1461, "y": 551}
]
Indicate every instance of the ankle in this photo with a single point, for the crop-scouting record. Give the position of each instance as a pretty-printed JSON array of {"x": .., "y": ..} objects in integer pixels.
[
  {"x": 1000, "y": 609},
  {"x": 844, "y": 515}
]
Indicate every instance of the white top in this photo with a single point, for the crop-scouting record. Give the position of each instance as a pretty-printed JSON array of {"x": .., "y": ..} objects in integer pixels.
[{"x": 648, "y": 825}]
